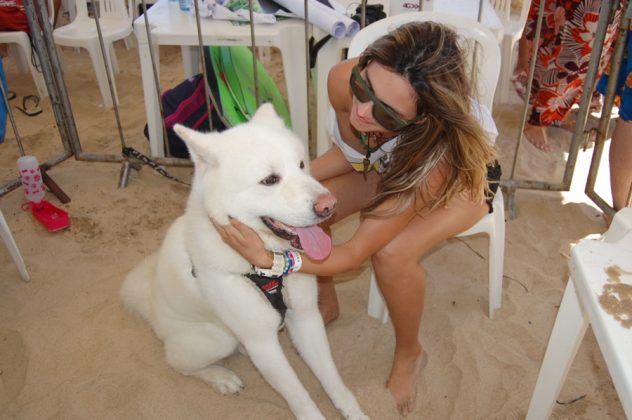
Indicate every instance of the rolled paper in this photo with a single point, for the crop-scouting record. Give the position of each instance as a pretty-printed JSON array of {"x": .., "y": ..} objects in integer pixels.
[
  {"x": 319, "y": 15},
  {"x": 352, "y": 26}
]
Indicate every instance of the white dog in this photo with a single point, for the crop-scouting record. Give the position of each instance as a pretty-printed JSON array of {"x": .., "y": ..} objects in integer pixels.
[{"x": 194, "y": 291}]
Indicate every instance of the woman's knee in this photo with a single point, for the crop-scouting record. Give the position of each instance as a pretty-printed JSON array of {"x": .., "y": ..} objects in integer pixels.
[{"x": 390, "y": 265}]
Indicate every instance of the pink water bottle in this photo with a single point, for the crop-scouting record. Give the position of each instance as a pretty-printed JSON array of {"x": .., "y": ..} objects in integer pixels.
[
  {"x": 31, "y": 179},
  {"x": 52, "y": 217}
]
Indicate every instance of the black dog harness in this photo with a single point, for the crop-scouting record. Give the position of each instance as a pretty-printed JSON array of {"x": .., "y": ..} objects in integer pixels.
[{"x": 271, "y": 288}]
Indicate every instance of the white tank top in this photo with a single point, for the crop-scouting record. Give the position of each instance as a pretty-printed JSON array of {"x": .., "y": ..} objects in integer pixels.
[{"x": 379, "y": 160}]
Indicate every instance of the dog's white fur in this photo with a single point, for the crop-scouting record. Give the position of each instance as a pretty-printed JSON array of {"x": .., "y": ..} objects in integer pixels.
[{"x": 203, "y": 318}]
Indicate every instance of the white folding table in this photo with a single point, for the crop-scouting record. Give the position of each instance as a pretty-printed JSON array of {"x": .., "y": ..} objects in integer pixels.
[{"x": 171, "y": 26}]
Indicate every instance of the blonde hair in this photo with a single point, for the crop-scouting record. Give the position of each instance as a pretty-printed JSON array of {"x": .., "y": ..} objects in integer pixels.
[{"x": 429, "y": 56}]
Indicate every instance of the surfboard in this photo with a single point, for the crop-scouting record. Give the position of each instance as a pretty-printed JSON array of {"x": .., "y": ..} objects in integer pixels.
[{"x": 232, "y": 66}]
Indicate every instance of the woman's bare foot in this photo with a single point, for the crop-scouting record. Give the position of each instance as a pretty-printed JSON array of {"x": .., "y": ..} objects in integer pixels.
[
  {"x": 537, "y": 137},
  {"x": 327, "y": 300},
  {"x": 404, "y": 377}
]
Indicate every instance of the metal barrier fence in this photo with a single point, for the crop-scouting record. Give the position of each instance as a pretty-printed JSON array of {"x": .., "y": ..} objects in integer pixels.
[{"x": 64, "y": 117}]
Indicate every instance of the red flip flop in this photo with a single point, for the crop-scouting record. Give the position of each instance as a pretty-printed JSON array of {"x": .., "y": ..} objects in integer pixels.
[{"x": 53, "y": 218}]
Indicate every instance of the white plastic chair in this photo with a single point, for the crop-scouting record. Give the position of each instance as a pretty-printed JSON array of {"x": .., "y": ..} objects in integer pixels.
[
  {"x": 511, "y": 35},
  {"x": 26, "y": 58},
  {"x": 7, "y": 237},
  {"x": 488, "y": 68},
  {"x": 116, "y": 24},
  {"x": 594, "y": 265}
]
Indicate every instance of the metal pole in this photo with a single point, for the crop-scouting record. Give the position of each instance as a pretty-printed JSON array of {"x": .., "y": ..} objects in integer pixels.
[
  {"x": 604, "y": 121},
  {"x": 51, "y": 70}
]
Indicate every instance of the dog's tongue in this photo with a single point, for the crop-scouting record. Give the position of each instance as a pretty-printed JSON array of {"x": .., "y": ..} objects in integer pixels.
[{"x": 314, "y": 241}]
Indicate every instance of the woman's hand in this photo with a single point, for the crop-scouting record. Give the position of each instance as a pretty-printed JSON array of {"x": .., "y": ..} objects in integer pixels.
[{"x": 246, "y": 242}]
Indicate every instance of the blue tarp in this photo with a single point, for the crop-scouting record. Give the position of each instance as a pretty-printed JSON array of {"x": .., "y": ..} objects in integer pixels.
[{"x": 3, "y": 105}]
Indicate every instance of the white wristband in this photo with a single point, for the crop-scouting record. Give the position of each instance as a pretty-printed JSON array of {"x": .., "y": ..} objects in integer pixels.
[{"x": 278, "y": 265}]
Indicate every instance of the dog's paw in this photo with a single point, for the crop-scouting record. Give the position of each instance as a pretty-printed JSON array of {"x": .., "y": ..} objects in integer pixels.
[
  {"x": 223, "y": 380},
  {"x": 357, "y": 416},
  {"x": 351, "y": 410}
]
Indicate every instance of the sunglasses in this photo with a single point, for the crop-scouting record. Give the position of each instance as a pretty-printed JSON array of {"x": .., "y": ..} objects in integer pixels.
[{"x": 386, "y": 116}]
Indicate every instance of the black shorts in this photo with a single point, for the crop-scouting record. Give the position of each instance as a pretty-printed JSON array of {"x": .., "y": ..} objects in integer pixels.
[{"x": 494, "y": 173}]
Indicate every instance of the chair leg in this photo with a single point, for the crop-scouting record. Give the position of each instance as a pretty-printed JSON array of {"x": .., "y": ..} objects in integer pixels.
[
  {"x": 496, "y": 262},
  {"x": 7, "y": 237},
  {"x": 377, "y": 308},
  {"x": 114, "y": 61},
  {"x": 21, "y": 60},
  {"x": 506, "y": 71},
  {"x": 101, "y": 74},
  {"x": 32, "y": 62}
]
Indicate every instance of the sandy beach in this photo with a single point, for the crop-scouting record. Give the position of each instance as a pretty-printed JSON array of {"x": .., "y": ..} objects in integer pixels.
[{"x": 69, "y": 350}]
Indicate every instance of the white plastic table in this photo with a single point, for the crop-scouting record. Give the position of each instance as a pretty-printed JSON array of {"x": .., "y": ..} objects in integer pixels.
[
  {"x": 170, "y": 26},
  {"x": 594, "y": 264}
]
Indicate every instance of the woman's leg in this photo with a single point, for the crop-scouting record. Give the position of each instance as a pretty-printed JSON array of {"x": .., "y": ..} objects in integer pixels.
[
  {"x": 402, "y": 282},
  {"x": 352, "y": 192},
  {"x": 620, "y": 159},
  {"x": 536, "y": 135}
]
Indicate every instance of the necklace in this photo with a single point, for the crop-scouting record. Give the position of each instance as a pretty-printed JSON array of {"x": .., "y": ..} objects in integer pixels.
[{"x": 365, "y": 140}]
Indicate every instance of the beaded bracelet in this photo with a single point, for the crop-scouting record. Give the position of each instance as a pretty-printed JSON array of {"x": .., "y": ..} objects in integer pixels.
[
  {"x": 277, "y": 269},
  {"x": 295, "y": 261},
  {"x": 282, "y": 264}
]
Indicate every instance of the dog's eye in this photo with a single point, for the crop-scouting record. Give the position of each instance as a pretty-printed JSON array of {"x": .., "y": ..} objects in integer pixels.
[
  {"x": 271, "y": 180},
  {"x": 302, "y": 165}
]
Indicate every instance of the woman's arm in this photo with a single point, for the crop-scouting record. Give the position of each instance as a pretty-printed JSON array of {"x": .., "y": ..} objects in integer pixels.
[
  {"x": 372, "y": 235},
  {"x": 330, "y": 164}
]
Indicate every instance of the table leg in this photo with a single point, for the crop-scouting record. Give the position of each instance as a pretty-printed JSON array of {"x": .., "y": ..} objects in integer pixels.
[
  {"x": 152, "y": 108},
  {"x": 295, "y": 70},
  {"x": 568, "y": 331},
  {"x": 190, "y": 60},
  {"x": 328, "y": 56}
]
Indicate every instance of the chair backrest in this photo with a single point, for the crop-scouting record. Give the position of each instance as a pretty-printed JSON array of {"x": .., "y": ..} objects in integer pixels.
[
  {"x": 486, "y": 55},
  {"x": 503, "y": 8},
  {"x": 107, "y": 9},
  {"x": 114, "y": 8}
]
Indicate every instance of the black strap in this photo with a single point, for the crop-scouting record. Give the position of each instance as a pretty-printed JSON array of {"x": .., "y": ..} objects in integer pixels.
[
  {"x": 271, "y": 288},
  {"x": 130, "y": 152}
]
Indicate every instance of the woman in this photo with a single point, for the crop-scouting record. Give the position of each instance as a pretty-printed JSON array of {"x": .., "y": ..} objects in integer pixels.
[
  {"x": 563, "y": 56},
  {"x": 410, "y": 153},
  {"x": 620, "y": 155}
]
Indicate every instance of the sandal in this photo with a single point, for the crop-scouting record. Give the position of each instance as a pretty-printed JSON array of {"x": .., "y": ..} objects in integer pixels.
[
  {"x": 30, "y": 105},
  {"x": 519, "y": 81}
]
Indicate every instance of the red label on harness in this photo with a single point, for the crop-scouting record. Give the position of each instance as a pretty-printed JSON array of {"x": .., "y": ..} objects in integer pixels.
[{"x": 271, "y": 286}]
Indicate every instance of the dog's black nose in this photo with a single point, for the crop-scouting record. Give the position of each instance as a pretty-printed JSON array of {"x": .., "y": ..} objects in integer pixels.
[{"x": 325, "y": 205}]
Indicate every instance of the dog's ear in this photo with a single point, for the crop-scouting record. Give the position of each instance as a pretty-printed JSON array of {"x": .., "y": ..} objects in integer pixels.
[
  {"x": 198, "y": 144},
  {"x": 266, "y": 114}
]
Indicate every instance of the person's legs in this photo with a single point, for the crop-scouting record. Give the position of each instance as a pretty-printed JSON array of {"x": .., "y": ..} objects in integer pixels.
[
  {"x": 402, "y": 282},
  {"x": 352, "y": 192},
  {"x": 520, "y": 75},
  {"x": 536, "y": 135},
  {"x": 621, "y": 163}
]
